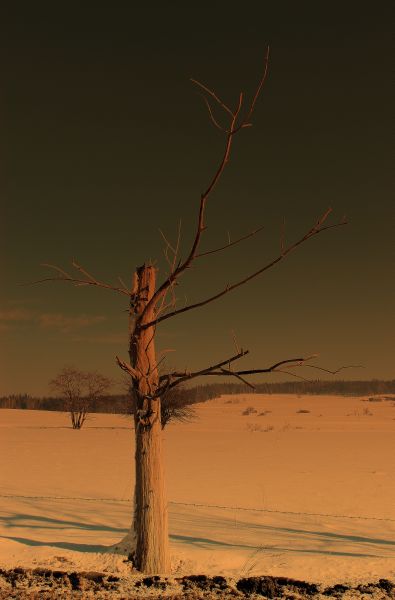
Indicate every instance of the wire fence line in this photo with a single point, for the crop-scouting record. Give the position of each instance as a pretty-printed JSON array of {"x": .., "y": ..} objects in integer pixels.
[
  {"x": 284, "y": 512},
  {"x": 201, "y": 505}
]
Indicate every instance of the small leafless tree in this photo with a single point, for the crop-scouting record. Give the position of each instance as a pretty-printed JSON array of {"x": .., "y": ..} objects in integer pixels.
[
  {"x": 149, "y": 306},
  {"x": 80, "y": 390}
]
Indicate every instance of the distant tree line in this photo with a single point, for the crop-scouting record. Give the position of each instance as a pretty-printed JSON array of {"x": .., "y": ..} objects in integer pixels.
[
  {"x": 115, "y": 404},
  {"x": 337, "y": 387},
  {"x": 121, "y": 404}
]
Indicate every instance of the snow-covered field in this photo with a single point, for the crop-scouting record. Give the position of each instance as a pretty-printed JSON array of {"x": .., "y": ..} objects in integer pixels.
[{"x": 308, "y": 495}]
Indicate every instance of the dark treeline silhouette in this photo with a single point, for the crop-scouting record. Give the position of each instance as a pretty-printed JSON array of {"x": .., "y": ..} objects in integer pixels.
[
  {"x": 120, "y": 404},
  {"x": 337, "y": 387}
]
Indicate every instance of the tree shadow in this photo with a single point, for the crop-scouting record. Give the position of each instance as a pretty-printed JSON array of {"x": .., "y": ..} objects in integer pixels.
[
  {"x": 286, "y": 538},
  {"x": 193, "y": 541},
  {"x": 63, "y": 545},
  {"x": 44, "y": 427},
  {"x": 14, "y": 521},
  {"x": 203, "y": 542},
  {"x": 320, "y": 534}
]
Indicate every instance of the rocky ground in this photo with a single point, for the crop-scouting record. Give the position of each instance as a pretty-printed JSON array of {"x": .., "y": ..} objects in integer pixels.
[{"x": 46, "y": 584}]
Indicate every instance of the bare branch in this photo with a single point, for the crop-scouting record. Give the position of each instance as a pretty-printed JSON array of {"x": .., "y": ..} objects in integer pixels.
[
  {"x": 192, "y": 374},
  {"x": 80, "y": 282},
  {"x": 213, "y": 95},
  {"x": 171, "y": 304},
  {"x": 220, "y": 369},
  {"x": 245, "y": 121},
  {"x": 182, "y": 376},
  {"x": 337, "y": 370},
  {"x": 167, "y": 241},
  {"x": 323, "y": 218},
  {"x": 293, "y": 374},
  {"x": 58, "y": 269},
  {"x": 162, "y": 357},
  {"x": 235, "y": 342},
  {"x": 90, "y": 280},
  {"x": 235, "y": 374},
  {"x": 229, "y": 244},
  {"x": 233, "y": 129},
  {"x": 259, "y": 88},
  {"x": 172, "y": 267},
  {"x": 178, "y": 241},
  {"x": 166, "y": 381},
  {"x": 291, "y": 362},
  {"x": 282, "y": 237},
  {"x": 315, "y": 230},
  {"x": 83, "y": 271},
  {"x": 127, "y": 368},
  {"x": 200, "y": 225},
  {"x": 212, "y": 118},
  {"x": 121, "y": 281}
]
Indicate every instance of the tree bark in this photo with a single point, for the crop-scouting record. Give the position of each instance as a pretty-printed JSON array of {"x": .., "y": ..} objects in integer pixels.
[{"x": 150, "y": 523}]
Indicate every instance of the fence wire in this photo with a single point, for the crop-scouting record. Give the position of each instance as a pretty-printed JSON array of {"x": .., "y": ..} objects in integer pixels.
[{"x": 202, "y": 505}]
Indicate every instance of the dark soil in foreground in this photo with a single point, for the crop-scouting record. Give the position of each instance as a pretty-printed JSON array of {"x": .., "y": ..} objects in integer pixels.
[{"x": 45, "y": 584}]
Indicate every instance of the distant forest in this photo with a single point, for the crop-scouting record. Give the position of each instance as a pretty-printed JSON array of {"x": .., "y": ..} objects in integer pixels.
[{"x": 120, "y": 404}]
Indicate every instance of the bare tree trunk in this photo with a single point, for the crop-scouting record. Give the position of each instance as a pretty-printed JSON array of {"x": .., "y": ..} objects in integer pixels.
[
  {"x": 151, "y": 554},
  {"x": 77, "y": 418}
]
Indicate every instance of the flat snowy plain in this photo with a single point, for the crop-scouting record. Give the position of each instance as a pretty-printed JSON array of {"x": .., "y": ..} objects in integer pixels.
[{"x": 308, "y": 495}]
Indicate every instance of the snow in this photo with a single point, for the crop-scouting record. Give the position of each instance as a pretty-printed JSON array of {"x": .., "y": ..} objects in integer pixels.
[{"x": 305, "y": 495}]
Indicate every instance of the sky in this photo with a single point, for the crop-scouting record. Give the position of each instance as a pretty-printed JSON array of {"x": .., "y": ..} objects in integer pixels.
[{"x": 105, "y": 141}]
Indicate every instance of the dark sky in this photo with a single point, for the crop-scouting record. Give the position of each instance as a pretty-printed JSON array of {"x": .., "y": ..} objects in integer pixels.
[{"x": 104, "y": 140}]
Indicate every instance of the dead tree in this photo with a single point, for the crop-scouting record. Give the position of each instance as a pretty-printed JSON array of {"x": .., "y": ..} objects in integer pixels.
[
  {"x": 79, "y": 390},
  {"x": 151, "y": 304}
]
